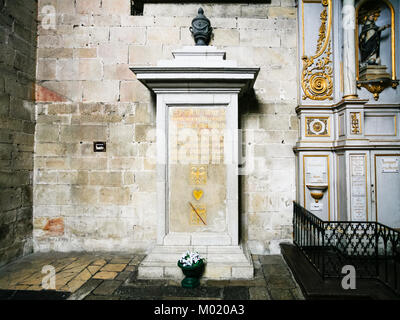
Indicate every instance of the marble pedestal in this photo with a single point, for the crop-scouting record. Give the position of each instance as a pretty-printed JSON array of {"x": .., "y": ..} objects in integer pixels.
[
  {"x": 198, "y": 91},
  {"x": 374, "y": 73}
]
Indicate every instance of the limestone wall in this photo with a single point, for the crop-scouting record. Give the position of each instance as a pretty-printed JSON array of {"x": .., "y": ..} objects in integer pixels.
[
  {"x": 17, "y": 74},
  {"x": 85, "y": 93}
]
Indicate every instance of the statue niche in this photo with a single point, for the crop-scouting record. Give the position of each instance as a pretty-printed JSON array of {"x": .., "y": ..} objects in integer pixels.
[
  {"x": 370, "y": 38},
  {"x": 372, "y": 42}
]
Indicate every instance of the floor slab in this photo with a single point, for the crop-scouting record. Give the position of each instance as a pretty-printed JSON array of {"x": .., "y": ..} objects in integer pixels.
[{"x": 114, "y": 276}]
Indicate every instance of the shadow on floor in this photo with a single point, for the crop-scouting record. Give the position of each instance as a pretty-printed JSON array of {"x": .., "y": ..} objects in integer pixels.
[
  {"x": 33, "y": 295},
  {"x": 314, "y": 287}
]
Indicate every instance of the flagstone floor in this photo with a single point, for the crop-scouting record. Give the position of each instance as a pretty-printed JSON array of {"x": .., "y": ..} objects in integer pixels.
[{"x": 113, "y": 276}]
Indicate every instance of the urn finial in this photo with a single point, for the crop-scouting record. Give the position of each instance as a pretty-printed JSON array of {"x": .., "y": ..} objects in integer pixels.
[{"x": 201, "y": 29}]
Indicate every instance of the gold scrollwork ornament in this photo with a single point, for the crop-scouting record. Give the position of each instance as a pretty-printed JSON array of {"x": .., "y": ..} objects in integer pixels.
[
  {"x": 317, "y": 82},
  {"x": 355, "y": 123},
  {"x": 376, "y": 87}
]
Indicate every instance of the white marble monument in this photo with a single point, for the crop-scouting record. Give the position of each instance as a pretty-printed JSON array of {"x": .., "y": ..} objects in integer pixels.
[{"x": 197, "y": 162}]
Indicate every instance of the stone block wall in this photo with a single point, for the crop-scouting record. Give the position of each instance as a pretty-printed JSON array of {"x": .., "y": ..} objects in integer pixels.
[
  {"x": 17, "y": 76},
  {"x": 85, "y": 92}
]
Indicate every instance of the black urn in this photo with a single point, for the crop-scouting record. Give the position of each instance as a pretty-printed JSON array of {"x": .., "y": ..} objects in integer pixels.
[{"x": 201, "y": 29}]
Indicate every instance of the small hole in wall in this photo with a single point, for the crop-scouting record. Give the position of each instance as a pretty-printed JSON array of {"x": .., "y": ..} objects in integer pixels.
[{"x": 136, "y": 7}]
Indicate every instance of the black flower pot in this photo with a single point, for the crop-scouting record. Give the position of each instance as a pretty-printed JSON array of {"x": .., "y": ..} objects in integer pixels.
[{"x": 192, "y": 273}]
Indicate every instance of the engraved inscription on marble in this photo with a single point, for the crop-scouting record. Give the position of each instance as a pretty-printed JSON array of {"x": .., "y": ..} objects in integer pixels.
[
  {"x": 316, "y": 171},
  {"x": 390, "y": 165},
  {"x": 197, "y": 135},
  {"x": 196, "y": 169},
  {"x": 316, "y": 206},
  {"x": 358, "y": 187}
]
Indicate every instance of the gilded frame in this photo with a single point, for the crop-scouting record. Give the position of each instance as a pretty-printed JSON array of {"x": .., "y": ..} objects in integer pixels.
[
  {"x": 376, "y": 178},
  {"x": 394, "y": 116},
  {"x": 328, "y": 124},
  {"x": 327, "y": 156},
  {"x": 366, "y": 184}
]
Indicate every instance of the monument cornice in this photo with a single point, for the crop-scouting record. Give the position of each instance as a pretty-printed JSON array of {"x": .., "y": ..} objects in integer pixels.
[
  {"x": 212, "y": 73},
  {"x": 345, "y": 104},
  {"x": 197, "y": 67},
  {"x": 180, "y": 79},
  {"x": 156, "y": 69},
  {"x": 335, "y": 106},
  {"x": 335, "y": 147}
]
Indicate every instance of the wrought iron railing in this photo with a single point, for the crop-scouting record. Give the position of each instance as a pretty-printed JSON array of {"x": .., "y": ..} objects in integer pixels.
[{"x": 371, "y": 247}]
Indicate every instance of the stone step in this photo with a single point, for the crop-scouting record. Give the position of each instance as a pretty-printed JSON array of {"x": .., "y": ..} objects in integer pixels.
[
  {"x": 157, "y": 263},
  {"x": 222, "y": 262},
  {"x": 202, "y": 250},
  {"x": 211, "y": 257}
]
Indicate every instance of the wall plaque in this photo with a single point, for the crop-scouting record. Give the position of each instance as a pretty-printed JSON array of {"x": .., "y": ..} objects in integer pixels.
[
  {"x": 357, "y": 167},
  {"x": 358, "y": 188},
  {"x": 316, "y": 206},
  {"x": 316, "y": 185},
  {"x": 316, "y": 170},
  {"x": 390, "y": 165}
]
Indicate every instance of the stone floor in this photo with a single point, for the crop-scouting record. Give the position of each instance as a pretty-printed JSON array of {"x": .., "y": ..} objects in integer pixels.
[{"x": 113, "y": 276}]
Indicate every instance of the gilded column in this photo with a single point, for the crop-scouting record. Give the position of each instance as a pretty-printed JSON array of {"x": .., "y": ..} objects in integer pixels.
[{"x": 349, "y": 59}]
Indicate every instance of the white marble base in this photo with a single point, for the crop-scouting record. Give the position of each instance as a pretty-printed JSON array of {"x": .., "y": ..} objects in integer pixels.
[{"x": 222, "y": 263}]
